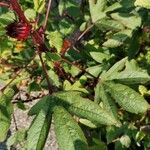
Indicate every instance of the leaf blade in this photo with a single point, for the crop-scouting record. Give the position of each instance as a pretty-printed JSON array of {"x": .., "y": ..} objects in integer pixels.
[
  {"x": 66, "y": 126},
  {"x": 127, "y": 98}
]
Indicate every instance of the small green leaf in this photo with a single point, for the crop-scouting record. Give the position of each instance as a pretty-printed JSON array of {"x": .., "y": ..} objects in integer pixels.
[
  {"x": 6, "y": 109},
  {"x": 53, "y": 56},
  {"x": 68, "y": 132},
  {"x": 99, "y": 57},
  {"x": 97, "y": 9},
  {"x": 88, "y": 123},
  {"x": 30, "y": 14},
  {"x": 130, "y": 21},
  {"x": 7, "y": 18},
  {"x": 61, "y": 6},
  {"x": 127, "y": 98},
  {"x": 56, "y": 40},
  {"x": 143, "y": 3},
  {"x": 114, "y": 69},
  {"x": 107, "y": 24},
  {"x": 113, "y": 7},
  {"x": 125, "y": 141},
  {"x": 39, "y": 5},
  {"x": 118, "y": 38},
  {"x": 95, "y": 70},
  {"x": 77, "y": 86}
]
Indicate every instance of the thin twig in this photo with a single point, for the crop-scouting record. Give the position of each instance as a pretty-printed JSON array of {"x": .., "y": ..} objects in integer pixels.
[
  {"x": 47, "y": 14},
  {"x": 50, "y": 87},
  {"x": 85, "y": 31},
  {"x": 15, "y": 122},
  {"x": 17, "y": 74}
]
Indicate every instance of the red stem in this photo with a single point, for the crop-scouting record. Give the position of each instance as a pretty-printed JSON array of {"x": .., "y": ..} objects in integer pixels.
[
  {"x": 17, "y": 8},
  {"x": 4, "y": 4}
]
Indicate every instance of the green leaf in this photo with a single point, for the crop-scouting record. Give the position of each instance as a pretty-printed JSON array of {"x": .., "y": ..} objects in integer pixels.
[
  {"x": 71, "y": 7},
  {"x": 39, "y": 129},
  {"x": 54, "y": 78},
  {"x": 77, "y": 86},
  {"x": 95, "y": 70},
  {"x": 113, "y": 7},
  {"x": 118, "y": 38},
  {"x": 43, "y": 102},
  {"x": 99, "y": 57},
  {"x": 7, "y": 18},
  {"x": 53, "y": 56},
  {"x": 61, "y": 6},
  {"x": 129, "y": 21},
  {"x": 97, "y": 9},
  {"x": 84, "y": 108},
  {"x": 131, "y": 77},
  {"x": 66, "y": 27},
  {"x": 30, "y": 14},
  {"x": 127, "y": 98},
  {"x": 39, "y": 5},
  {"x": 143, "y": 3},
  {"x": 88, "y": 123},
  {"x": 6, "y": 109},
  {"x": 114, "y": 69},
  {"x": 125, "y": 141},
  {"x": 16, "y": 138},
  {"x": 76, "y": 104},
  {"x": 98, "y": 145},
  {"x": 108, "y": 102},
  {"x": 68, "y": 132},
  {"x": 107, "y": 24},
  {"x": 56, "y": 40}
]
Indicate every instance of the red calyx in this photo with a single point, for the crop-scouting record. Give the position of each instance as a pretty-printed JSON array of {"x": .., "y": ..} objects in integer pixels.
[{"x": 18, "y": 30}]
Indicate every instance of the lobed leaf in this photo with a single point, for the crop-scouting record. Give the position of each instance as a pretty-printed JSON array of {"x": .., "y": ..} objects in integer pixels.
[
  {"x": 77, "y": 105},
  {"x": 97, "y": 9},
  {"x": 84, "y": 108}
]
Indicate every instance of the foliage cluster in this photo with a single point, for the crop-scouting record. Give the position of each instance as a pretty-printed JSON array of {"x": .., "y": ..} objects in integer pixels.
[{"x": 97, "y": 65}]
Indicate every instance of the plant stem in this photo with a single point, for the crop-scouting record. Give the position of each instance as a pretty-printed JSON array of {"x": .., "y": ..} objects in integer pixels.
[
  {"x": 85, "y": 31},
  {"x": 17, "y": 8},
  {"x": 4, "y": 4},
  {"x": 50, "y": 87},
  {"x": 47, "y": 15}
]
